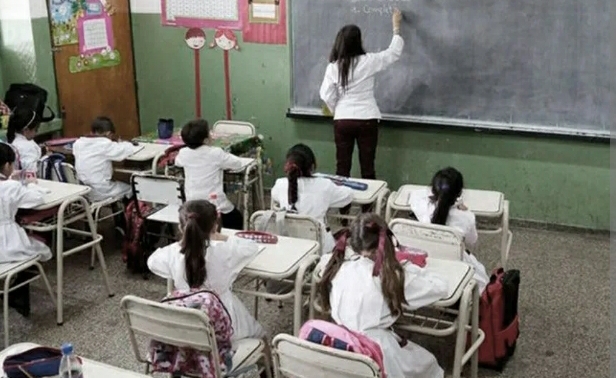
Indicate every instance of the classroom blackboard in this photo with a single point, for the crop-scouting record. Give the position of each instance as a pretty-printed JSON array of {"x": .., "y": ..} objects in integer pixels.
[{"x": 527, "y": 65}]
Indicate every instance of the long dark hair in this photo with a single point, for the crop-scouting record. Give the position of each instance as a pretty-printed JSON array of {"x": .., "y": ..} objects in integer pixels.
[
  {"x": 447, "y": 187},
  {"x": 21, "y": 119},
  {"x": 197, "y": 220},
  {"x": 346, "y": 49},
  {"x": 369, "y": 232},
  {"x": 300, "y": 163}
]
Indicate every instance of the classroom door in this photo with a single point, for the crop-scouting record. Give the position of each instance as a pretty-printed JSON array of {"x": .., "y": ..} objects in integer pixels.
[{"x": 84, "y": 94}]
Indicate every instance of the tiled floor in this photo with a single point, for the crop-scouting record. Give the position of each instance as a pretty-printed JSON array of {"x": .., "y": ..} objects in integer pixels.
[{"x": 563, "y": 307}]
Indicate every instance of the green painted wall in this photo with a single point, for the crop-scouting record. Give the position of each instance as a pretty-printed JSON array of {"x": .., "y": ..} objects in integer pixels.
[{"x": 546, "y": 179}]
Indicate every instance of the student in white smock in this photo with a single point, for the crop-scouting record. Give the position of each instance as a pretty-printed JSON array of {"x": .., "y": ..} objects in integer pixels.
[
  {"x": 365, "y": 287},
  {"x": 204, "y": 167},
  {"x": 15, "y": 244},
  {"x": 23, "y": 126},
  {"x": 205, "y": 258},
  {"x": 441, "y": 205},
  {"x": 306, "y": 195},
  {"x": 94, "y": 155}
]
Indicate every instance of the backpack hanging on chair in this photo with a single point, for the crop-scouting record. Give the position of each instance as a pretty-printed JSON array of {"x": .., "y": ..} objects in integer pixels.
[
  {"x": 137, "y": 245},
  {"x": 50, "y": 168}
]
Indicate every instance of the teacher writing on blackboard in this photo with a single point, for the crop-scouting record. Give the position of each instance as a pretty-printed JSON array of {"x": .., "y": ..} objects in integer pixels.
[{"x": 348, "y": 92}]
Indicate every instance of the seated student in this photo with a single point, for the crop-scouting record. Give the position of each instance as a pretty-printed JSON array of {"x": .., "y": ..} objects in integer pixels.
[
  {"x": 15, "y": 244},
  {"x": 205, "y": 258},
  {"x": 310, "y": 196},
  {"x": 440, "y": 205},
  {"x": 204, "y": 168},
  {"x": 349, "y": 288},
  {"x": 23, "y": 126},
  {"x": 94, "y": 155}
]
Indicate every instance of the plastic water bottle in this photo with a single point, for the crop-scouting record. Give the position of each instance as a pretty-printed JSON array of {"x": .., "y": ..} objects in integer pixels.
[
  {"x": 214, "y": 200},
  {"x": 70, "y": 367}
]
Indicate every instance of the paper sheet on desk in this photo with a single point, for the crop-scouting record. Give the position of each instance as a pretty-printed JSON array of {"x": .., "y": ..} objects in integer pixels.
[{"x": 39, "y": 188}]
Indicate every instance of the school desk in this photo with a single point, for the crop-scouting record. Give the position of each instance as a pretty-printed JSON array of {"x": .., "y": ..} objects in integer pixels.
[
  {"x": 289, "y": 259},
  {"x": 374, "y": 195},
  {"x": 486, "y": 204},
  {"x": 442, "y": 320},
  {"x": 72, "y": 207},
  {"x": 91, "y": 368}
]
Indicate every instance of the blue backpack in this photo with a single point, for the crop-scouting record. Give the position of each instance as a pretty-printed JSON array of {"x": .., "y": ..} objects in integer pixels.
[{"x": 50, "y": 168}]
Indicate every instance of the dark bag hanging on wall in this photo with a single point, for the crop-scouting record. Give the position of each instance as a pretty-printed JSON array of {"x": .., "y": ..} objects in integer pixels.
[{"x": 30, "y": 96}]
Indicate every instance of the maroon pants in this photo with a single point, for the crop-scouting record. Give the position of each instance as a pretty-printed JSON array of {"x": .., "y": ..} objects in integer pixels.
[{"x": 366, "y": 133}]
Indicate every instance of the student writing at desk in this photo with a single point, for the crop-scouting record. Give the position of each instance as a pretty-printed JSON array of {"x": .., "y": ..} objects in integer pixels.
[{"x": 94, "y": 155}]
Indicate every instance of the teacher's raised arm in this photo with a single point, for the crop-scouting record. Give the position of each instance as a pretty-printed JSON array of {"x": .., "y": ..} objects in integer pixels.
[{"x": 348, "y": 92}]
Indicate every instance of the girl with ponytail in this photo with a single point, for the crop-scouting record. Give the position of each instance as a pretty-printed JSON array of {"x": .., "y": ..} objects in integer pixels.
[
  {"x": 442, "y": 204},
  {"x": 204, "y": 258},
  {"x": 365, "y": 287},
  {"x": 23, "y": 126},
  {"x": 302, "y": 193}
]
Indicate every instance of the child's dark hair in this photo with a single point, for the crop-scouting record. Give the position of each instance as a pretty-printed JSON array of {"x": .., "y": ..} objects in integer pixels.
[
  {"x": 447, "y": 187},
  {"x": 21, "y": 119},
  {"x": 102, "y": 125},
  {"x": 300, "y": 163},
  {"x": 197, "y": 220},
  {"x": 7, "y": 155},
  {"x": 195, "y": 132},
  {"x": 369, "y": 232}
]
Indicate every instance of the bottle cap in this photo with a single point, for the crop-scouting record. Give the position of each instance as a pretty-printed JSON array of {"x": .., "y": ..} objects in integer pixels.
[{"x": 67, "y": 348}]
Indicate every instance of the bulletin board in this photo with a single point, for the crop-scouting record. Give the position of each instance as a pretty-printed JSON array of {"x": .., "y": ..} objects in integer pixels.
[{"x": 204, "y": 14}]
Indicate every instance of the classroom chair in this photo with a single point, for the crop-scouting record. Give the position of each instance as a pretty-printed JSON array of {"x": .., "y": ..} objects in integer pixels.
[
  {"x": 10, "y": 270},
  {"x": 442, "y": 242},
  {"x": 188, "y": 328},
  {"x": 294, "y": 357},
  {"x": 252, "y": 177},
  {"x": 115, "y": 205}
]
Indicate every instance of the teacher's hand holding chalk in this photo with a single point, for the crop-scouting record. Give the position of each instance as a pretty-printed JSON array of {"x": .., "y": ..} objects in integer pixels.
[{"x": 396, "y": 18}]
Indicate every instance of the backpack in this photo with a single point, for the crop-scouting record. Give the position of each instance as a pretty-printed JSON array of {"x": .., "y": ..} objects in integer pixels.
[
  {"x": 170, "y": 359},
  {"x": 137, "y": 245},
  {"x": 30, "y": 96},
  {"x": 499, "y": 319},
  {"x": 339, "y": 337},
  {"x": 50, "y": 168}
]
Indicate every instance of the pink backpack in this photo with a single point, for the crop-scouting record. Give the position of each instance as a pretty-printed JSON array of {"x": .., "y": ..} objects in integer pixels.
[{"x": 340, "y": 337}]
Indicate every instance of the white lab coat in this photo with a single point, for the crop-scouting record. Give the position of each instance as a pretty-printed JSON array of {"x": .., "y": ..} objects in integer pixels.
[
  {"x": 15, "y": 244},
  {"x": 358, "y": 101},
  {"x": 204, "y": 173},
  {"x": 93, "y": 163},
  {"x": 223, "y": 261},
  {"x": 461, "y": 220},
  {"x": 357, "y": 303},
  {"x": 315, "y": 195},
  {"x": 29, "y": 153}
]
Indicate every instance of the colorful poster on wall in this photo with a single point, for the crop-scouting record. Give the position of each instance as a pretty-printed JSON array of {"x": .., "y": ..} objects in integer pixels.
[
  {"x": 266, "y": 22},
  {"x": 203, "y": 14},
  {"x": 63, "y": 15}
]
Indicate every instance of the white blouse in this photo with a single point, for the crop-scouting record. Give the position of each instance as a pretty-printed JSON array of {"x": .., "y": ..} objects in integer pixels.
[
  {"x": 358, "y": 101},
  {"x": 29, "y": 153}
]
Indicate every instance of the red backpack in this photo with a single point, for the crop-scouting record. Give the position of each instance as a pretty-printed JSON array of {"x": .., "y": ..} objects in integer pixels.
[
  {"x": 135, "y": 248},
  {"x": 499, "y": 319}
]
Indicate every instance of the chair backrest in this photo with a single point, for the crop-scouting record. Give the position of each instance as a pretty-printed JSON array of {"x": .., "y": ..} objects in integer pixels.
[
  {"x": 294, "y": 357},
  {"x": 165, "y": 190},
  {"x": 168, "y": 324},
  {"x": 438, "y": 241},
  {"x": 234, "y": 127},
  {"x": 70, "y": 173},
  {"x": 294, "y": 225}
]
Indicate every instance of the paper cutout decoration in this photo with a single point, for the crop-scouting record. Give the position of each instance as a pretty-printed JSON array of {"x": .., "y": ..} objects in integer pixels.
[
  {"x": 63, "y": 15},
  {"x": 106, "y": 58},
  {"x": 203, "y": 14},
  {"x": 195, "y": 40},
  {"x": 226, "y": 40},
  {"x": 266, "y": 22}
]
